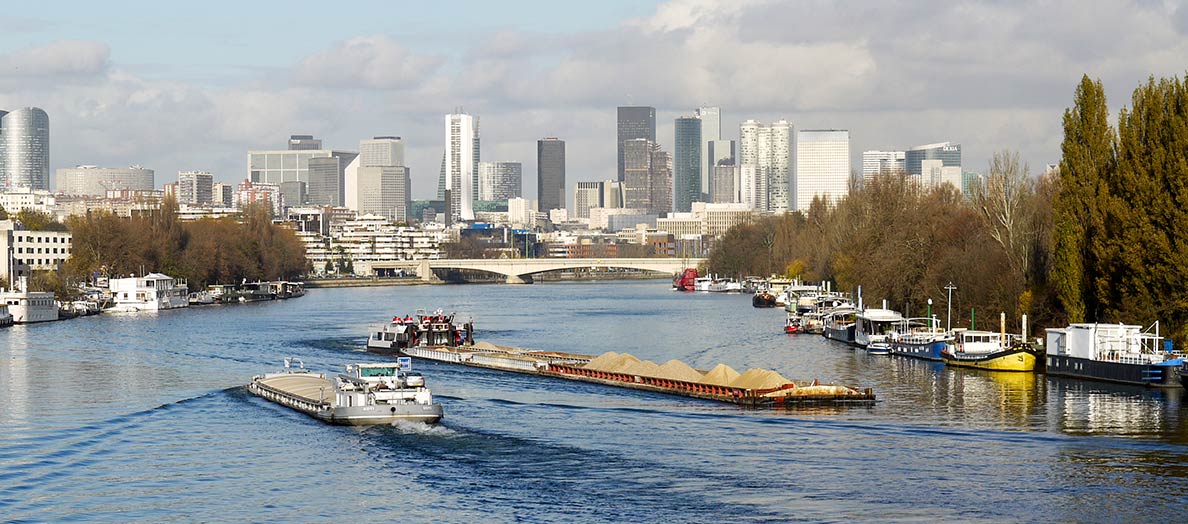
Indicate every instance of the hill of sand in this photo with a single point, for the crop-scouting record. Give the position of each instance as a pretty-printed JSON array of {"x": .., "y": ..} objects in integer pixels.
[
  {"x": 677, "y": 370},
  {"x": 611, "y": 361},
  {"x": 485, "y": 345},
  {"x": 645, "y": 368},
  {"x": 759, "y": 379},
  {"x": 721, "y": 375}
]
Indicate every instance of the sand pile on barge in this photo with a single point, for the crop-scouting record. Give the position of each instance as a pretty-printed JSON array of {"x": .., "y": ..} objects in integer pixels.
[
  {"x": 611, "y": 361},
  {"x": 644, "y": 368},
  {"x": 759, "y": 379},
  {"x": 721, "y": 375},
  {"x": 677, "y": 370}
]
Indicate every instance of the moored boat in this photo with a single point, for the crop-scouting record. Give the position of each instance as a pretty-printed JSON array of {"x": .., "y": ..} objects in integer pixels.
[
  {"x": 918, "y": 338},
  {"x": 991, "y": 351},
  {"x": 763, "y": 299},
  {"x": 1114, "y": 353},
  {"x": 684, "y": 281},
  {"x": 873, "y": 325},
  {"x": 367, "y": 394},
  {"x": 839, "y": 324}
]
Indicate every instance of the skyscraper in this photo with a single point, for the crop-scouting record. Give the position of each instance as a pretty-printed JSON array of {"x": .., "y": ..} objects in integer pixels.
[
  {"x": 587, "y": 195},
  {"x": 460, "y": 168},
  {"x": 550, "y": 174},
  {"x": 686, "y": 163},
  {"x": 723, "y": 185},
  {"x": 634, "y": 122},
  {"x": 381, "y": 151},
  {"x": 881, "y": 162},
  {"x": 326, "y": 181},
  {"x": 197, "y": 187},
  {"x": 304, "y": 143},
  {"x": 711, "y": 130},
  {"x": 822, "y": 166},
  {"x": 648, "y": 182},
  {"x": 384, "y": 191},
  {"x": 499, "y": 181},
  {"x": 24, "y": 149},
  {"x": 947, "y": 152},
  {"x": 765, "y": 164}
]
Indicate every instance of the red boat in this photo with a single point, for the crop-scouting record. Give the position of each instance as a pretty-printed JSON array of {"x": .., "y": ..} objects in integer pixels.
[{"x": 684, "y": 281}]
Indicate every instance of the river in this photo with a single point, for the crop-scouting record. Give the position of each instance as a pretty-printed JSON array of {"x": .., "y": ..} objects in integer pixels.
[{"x": 143, "y": 417}]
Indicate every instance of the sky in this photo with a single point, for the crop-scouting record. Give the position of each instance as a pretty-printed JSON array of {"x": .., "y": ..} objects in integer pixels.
[{"x": 177, "y": 87}]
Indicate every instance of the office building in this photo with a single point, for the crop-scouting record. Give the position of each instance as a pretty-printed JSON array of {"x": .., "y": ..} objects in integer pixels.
[
  {"x": 637, "y": 167},
  {"x": 686, "y": 163},
  {"x": 500, "y": 181},
  {"x": 612, "y": 195},
  {"x": 724, "y": 184},
  {"x": 27, "y": 251},
  {"x": 947, "y": 152},
  {"x": 304, "y": 143},
  {"x": 276, "y": 166},
  {"x": 196, "y": 187},
  {"x": 634, "y": 122},
  {"x": 327, "y": 180},
  {"x": 933, "y": 174},
  {"x": 248, "y": 193},
  {"x": 384, "y": 191},
  {"x": 550, "y": 174},
  {"x": 711, "y": 131},
  {"x": 96, "y": 181},
  {"x": 587, "y": 195},
  {"x": 765, "y": 165},
  {"x": 381, "y": 151},
  {"x": 881, "y": 162},
  {"x": 822, "y": 166},
  {"x": 24, "y": 150},
  {"x": 460, "y": 165}
]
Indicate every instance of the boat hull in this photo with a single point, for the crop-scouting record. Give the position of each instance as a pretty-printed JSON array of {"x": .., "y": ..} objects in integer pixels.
[
  {"x": 1159, "y": 376},
  {"x": 928, "y": 351},
  {"x": 844, "y": 334},
  {"x": 1020, "y": 360},
  {"x": 381, "y": 414}
]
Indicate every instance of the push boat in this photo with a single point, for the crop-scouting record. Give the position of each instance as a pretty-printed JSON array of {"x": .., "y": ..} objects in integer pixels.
[
  {"x": 763, "y": 299},
  {"x": 1114, "y": 353},
  {"x": 434, "y": 329},
  {"x": 367, "y": 394},
  {"x": 918, "y": 338}
]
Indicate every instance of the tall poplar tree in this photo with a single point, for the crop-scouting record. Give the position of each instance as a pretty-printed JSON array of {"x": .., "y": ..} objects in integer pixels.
[{"x": 1089, "y": 160}]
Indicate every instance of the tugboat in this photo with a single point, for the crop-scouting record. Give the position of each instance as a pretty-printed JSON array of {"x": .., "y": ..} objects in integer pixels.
[
  {"x": 436, "y": 329},
  {"x": 763, "y": 299},
  {"x": 367, "y": 394},
  {"x": 1114, "y": 353}
]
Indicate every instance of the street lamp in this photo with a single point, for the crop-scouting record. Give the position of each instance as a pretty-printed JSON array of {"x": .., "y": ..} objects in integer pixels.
[
  {"x": 949, "y": 320},
  {"x": 930, "y": 313}
]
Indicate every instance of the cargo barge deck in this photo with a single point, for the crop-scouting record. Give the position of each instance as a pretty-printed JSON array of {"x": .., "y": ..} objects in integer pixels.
[{"x": 570, "y": 366}]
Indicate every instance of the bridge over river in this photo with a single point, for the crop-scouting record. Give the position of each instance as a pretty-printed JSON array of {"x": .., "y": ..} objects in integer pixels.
[{"x": 520, "y": 270}]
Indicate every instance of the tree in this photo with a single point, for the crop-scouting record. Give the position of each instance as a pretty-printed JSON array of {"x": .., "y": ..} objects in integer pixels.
[
  {"x": 1089, "y": 157},
  {"x": 1004, "y": 202}
]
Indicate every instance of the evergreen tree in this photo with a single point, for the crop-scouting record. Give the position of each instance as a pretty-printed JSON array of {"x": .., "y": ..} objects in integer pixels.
[{"x": 1088, "y": 161}]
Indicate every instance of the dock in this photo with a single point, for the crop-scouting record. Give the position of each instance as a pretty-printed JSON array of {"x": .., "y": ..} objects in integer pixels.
[{"x": 570, "y": 366}]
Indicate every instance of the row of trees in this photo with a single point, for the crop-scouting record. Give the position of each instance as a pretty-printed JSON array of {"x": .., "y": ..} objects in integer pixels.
[
  {"x": 1101, "y": 240},
  {"x": 206, "y": 251},
  {"x": 904, "y": 244},
  {"x": 1121, "y": 218}
]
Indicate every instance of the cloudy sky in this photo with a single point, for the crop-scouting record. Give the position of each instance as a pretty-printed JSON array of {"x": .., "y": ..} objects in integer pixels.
[{"x": 194, "y": 86}]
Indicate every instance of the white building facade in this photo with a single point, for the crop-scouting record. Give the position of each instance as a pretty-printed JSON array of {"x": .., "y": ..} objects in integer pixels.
[
  {"x": 881, "y": 162},
  {"x": 768, "y": 150},
  {"x": 822, "y": 166},
  {"x": 461, "y": 164}
]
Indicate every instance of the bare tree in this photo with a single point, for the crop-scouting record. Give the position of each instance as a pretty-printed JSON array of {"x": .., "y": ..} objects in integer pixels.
[{"x": 1003, "y": 199}]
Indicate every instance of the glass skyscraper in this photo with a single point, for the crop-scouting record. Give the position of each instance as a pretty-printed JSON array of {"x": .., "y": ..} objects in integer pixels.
[
  {"x": 24, "y": 149},
  {"x": 686, "y": 164},
  {"x": 550, "y": 174},
  {"x": 634, "y": 122},
  {"x": 947, "y": 152}
]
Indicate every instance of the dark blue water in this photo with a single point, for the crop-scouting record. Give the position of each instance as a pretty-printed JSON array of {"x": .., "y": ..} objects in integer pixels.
[{"x": 143, "y": 418}]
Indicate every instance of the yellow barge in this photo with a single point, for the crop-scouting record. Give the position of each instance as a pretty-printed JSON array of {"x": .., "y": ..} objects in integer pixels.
[{"x": 755, "y": 388}]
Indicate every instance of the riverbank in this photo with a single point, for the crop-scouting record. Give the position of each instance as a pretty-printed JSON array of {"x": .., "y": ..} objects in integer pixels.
[{"x": 483, "y": 278}]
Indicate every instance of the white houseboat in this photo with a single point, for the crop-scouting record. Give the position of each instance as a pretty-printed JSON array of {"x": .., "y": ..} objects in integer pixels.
[
  {"x": 150, "y": 292},
  {"x": 27, "y": 307},
  {"x": 1115, "y": 353}
]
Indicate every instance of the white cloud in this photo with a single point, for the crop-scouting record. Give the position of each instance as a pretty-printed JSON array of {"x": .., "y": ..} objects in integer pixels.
[
  {"x": 374, "y": 62},
  {"x": 56, "y": 61}
]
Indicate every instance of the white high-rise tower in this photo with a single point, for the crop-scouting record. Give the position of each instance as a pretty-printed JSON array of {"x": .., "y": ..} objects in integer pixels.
[
  {"x": 822, "y": 166},
  {"x": 765, "y": 164},
  {"x": 461, "y": 163}
]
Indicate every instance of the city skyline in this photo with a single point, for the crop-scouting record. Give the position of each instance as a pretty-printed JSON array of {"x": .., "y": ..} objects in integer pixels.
[{"x": 199, "y": 100}]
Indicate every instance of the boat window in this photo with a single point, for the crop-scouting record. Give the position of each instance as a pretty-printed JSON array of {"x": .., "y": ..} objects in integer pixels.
[{"x": 377, "y": 372}]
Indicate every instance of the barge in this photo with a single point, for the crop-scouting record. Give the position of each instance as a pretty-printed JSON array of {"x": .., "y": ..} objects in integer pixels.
[
  {"x": 1114, "y": 353},
  {"x": 368, "y": 394},
  {"x": 647, "y": 376}
]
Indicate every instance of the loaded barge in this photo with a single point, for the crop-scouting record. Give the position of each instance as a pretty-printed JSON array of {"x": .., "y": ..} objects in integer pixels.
[{"x": 712, "y": 386}]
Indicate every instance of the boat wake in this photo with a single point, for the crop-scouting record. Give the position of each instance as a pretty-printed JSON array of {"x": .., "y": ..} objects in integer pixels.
[{"x": 409, "y": 427}]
